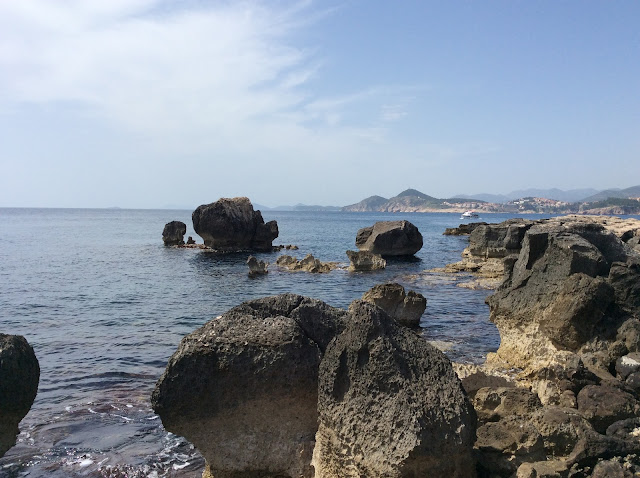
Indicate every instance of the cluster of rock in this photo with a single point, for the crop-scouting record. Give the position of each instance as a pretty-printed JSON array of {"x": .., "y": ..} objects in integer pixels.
[
  {"x": 288, "y": 386},
  {"x": 307, "y": 264},
  {"x": 568, "y": 313},
  {"x": 404, "y": 308},
  {"x": 19, "y": 377}
]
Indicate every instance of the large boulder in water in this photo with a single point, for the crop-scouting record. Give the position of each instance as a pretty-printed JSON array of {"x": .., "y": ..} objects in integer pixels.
[
  {"x": 244, "y": 387},
  {"x": 390, "y": 405},
  {"x": 233, "y": 225},
  {"x": 390, "y": 238},
  {"x": 173, "y": 233},
  {"x": 19, "y": 376}
]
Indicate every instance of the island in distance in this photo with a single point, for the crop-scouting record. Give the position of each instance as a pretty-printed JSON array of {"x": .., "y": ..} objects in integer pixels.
[{"x": 613, "y": 201}]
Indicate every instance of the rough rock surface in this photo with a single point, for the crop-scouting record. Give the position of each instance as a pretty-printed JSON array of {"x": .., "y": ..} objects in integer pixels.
[
  {"x": 361, "y": 261},
  {"x": 390, "y": 405},
  {"x": 243, "y": 388},
  {"x": 19, "y": 377},
  {"x": 307, "y": 264},
  {"x": 463, "y": 229},
  {"x": 256, "y": 267},
  {"x": 173, "y": 233},
  {"x": 390, "y": 238},
  {"x": 404, "y": 308},
  {"x": 233, "y": 225}
]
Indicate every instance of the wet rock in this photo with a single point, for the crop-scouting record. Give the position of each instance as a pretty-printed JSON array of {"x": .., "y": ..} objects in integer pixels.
[
  {"x": 363, "y": 261},
  {"x": 19, "y": 377},
  {"x": 257, "y": 267},
  {"x": 404, "y": 308},
  {"x": 390, "y": 405},
  {"x": 603, "y": 405},
  {"x": 173, "y": 233},
  {"x": 244, "y": 387},
  {"x": 390, "y": 238},
  {"x": 307, "y": 264},
  {"x": 233, "y": 225}
]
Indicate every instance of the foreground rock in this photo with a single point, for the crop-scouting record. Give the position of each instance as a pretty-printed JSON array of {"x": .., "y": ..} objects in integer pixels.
[
  {"x": 390, "y": 405},
  {"x": 250, "y": 387},
  {"x": 390, "y": 238},
  {"x": 365, "y": 261},
  {"x": 233, "y": 225},
  {"x": 19, "y": 376},
  {"x": 173, "y": 233},
  {"x": 257, "y": 267},
  {"x": 404, "y": 308},
  {"x": 308, "y": 264}
]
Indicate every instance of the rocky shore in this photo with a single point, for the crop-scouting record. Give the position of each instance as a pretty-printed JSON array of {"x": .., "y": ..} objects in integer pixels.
[{"x": 288, "y": 386}]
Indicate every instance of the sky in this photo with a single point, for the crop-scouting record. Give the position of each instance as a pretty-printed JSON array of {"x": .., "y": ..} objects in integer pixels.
[{"x": 157, "y": 103}]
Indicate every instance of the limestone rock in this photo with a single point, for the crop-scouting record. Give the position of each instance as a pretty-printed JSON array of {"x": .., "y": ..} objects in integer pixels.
[
  {"x": 307, "y": 264},
  {"x": 19, "y": 377},
  {"x": 390, "y": 238},
  {"x": 173, "y": 233},
  {"x": 362, "y": 261},
  {"x": 604, "y": 405},
  {"x": 493, "y": 404},
  {"x": 257, "y": 267},
  {"x": 390, "y": 405},
  {"x": 233, "y": 225},
  {"x": 244, "y": 387},
  {"x": 463, "y": 229},
  {"x": 404, "y": 308},
  {"x": 628, "y": 364}
]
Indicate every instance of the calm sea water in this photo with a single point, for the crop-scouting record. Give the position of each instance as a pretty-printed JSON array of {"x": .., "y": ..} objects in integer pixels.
[{"x": 104, "y": 304}]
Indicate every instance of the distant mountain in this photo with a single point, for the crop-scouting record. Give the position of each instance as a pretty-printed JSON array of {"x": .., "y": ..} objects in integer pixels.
[
  {"x": 573, "y": 195},
  {"x": 369, "y": 204},
  {"x": 410, "y": 200},
  {"x": 632, "y": 192}
]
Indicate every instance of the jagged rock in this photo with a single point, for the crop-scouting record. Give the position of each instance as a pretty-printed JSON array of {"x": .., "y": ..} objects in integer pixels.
[
  {"x": 19, "y": 377},
  {"x": 474, "y": 377},
  {"x": 173, "y": 233},
  {"x": 628, "y": 364},
  {"x": 257, "y": 267},
  {"x": 406, "y": 309},
  {"x": 559, "y": 298},
  {"x": 365, "y": 261},
  {"x": 390, "y": 405},
  {"x": 308, "y": 264},
  {"x": 190, "y": 240},
  {"x": 463, "y": 229},
  {"x": 390, "y": 238},
  {"x": 604, "y": 405},
  {"x": 233, "y": 225},
  {"x": 244, "y": 387}
]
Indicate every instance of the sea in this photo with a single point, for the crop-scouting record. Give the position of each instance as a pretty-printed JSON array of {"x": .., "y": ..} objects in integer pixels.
[{"x": 104, "y": 304}]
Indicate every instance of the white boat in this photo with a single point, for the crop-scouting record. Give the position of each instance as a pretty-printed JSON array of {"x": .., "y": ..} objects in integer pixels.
[{"x": 469, "y": 214}]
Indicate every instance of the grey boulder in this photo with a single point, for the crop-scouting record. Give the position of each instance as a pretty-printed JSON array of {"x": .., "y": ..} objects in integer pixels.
[
  {"x": 390, "y": 238},
  {"x": 404, "y": 308},
  {"x": 173, "y": 233}
]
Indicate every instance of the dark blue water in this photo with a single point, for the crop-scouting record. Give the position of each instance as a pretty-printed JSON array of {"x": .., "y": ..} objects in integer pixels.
[{"x": 104, "y": 304}]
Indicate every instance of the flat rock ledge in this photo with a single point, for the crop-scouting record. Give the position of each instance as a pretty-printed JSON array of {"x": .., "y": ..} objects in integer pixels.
[
  {"x": 288, "y": 386},
  {"x": 19, "y": 377}
]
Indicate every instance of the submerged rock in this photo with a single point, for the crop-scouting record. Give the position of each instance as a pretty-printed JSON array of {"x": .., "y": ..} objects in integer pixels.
[
  {"x": 364, "y": 261},
  {"x": 19, "y": 377},
  {"x": 390, "y": 238},
  {"x": 173, "y": 233},
  {"x": 307, "y": 264},
  {"x": 404, "y": 308},
  {"x": 233, "y": 225}
]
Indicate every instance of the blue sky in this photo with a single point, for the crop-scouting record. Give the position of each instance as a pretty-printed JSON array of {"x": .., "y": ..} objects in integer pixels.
[{"x": 149, "y": 103}]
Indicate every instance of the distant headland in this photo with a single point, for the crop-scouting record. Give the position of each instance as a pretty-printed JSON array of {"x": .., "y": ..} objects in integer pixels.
[{"x": 608, "y": 202}]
